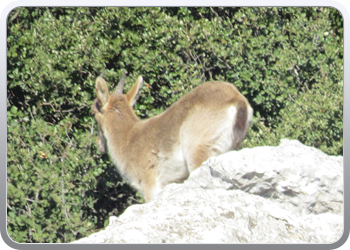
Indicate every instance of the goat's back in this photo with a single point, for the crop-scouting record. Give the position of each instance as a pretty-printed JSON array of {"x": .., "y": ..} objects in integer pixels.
[{"x": 211, "y": 119}]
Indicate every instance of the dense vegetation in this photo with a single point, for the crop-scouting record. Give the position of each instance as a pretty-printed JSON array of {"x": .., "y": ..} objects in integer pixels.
[{"x": 288, "y": 62}]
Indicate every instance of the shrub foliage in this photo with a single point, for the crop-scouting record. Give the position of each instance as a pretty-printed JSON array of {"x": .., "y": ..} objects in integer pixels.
[{"x": 288, "y": 62}]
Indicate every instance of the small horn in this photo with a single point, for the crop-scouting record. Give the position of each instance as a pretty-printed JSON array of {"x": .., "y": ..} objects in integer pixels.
[{"x": 120, "y": 85}]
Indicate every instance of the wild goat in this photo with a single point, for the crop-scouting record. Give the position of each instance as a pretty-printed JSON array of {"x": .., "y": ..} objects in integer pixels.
[{"x": 211, "y": 119}]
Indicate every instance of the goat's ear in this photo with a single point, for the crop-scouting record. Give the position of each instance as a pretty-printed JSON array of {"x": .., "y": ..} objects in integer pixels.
[
  {"x": 102, "y": 91},
  {"x": 133, "y": 92}
]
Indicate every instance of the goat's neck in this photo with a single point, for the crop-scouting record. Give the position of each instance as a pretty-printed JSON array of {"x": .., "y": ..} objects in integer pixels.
[{"x": 118, "y": 129}]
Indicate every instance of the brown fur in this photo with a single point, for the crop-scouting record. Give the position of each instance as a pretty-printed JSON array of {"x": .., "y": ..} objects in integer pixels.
[{"x": 210, "y": 120}]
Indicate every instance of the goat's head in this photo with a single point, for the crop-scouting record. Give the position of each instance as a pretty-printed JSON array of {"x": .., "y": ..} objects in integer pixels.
[{"x": 115, "y": 102}]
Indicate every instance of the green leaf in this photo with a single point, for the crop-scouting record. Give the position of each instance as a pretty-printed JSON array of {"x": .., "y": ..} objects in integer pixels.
[{"x": 14, "y": 110}]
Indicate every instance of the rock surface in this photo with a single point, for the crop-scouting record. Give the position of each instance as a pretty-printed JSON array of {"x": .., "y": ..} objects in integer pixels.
[{"x": 286, "y": 194}]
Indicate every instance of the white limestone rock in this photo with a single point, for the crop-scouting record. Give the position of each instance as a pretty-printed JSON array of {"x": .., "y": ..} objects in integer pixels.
[{"x": 286, "y": 194}]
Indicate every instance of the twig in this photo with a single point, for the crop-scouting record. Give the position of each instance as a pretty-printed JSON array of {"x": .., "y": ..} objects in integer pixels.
[
  {"x": 62, "y": 187},
  {"x": 68, "y": 110},
  {"x": 48, "y": 104},
  {"x": 71, "y": 142},
  {"x": 92, "y": 127},
  {"x": 212, "y": 10},
  {"x": 15, "y": 16},
  {"x": 37, "y": 194},
  {"x": 291, "y": 98},
  {"x": 72, "y": 109}
]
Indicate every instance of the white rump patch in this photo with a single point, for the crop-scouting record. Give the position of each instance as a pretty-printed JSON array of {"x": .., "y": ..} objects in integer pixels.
[{"x": 224, "y": 134}]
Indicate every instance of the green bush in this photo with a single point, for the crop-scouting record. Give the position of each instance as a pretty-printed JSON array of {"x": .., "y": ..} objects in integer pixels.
[{"x": 286, "y": 61}]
